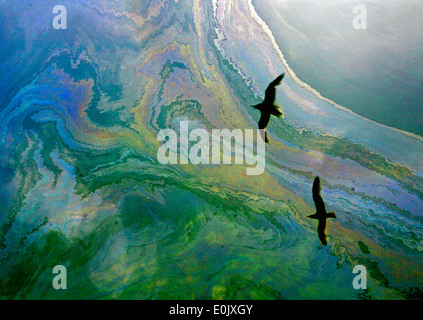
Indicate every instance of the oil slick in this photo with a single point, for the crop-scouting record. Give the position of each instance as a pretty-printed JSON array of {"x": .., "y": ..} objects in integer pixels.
[{"x": 207, "y": 150}]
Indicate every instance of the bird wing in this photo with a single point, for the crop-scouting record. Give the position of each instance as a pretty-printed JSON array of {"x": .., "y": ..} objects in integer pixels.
[
  {"x": 318, "y": 200},
  {"x": 276, "y": 111},
  {"x": 270, "y": 94},
  {"x": 321, "y": 230},
  {"x": 264, "y": 120}
]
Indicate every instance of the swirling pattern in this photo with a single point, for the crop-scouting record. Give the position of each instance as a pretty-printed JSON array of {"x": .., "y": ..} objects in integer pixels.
[{"x": 82, "y": 187}]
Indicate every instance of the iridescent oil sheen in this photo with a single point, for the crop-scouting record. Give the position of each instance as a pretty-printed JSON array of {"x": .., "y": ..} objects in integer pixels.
[{"x": 81, "y": 186}]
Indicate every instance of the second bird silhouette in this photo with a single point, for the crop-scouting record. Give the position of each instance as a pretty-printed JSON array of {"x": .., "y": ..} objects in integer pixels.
[
  {"x": 268, "y": 106},
  {"x": 321, "y": 213}
]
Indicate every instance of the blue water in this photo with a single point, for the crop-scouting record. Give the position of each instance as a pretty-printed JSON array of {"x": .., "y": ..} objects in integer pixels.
[{"x": 376, "y": 72}]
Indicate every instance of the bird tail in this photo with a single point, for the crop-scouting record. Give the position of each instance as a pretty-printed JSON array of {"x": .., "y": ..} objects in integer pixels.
[
  {"x": 331, "y": 215},
  {"x": 264, "y": 135}
]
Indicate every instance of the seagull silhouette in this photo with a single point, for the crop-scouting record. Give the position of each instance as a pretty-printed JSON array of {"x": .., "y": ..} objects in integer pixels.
[
  {"x": 321, "y": 213},
  {"x": 268, "y": 107}
]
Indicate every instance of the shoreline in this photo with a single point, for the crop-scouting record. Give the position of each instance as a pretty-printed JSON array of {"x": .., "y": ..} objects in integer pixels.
[{"x": 266, "y": 29}]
